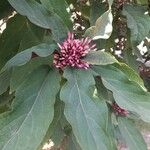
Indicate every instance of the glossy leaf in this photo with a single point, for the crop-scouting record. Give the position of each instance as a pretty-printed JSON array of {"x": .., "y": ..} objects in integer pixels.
[
  {"x": 128, "y": 94},
  {"x": 86, "y": 113},
  {"x": 40, "y": 16},
  {"x": 33, "y": 110},
  {"x": 131, "y": 135},
  {"x": 42, "y": 50},
  {"x": 100, "y": 58}
]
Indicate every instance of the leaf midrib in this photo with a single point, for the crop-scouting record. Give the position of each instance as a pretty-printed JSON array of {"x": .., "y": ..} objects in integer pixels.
[
  {"x": 40, "y": 90},
  {"x": 76, "y": 83}
]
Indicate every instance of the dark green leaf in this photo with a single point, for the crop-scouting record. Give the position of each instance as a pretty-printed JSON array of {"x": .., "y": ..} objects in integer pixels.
[
  {"x": 131, "y": 59},
  {"x": 72, "y": 143},
  {"x": 101, "y": 89},
  {"x": 33, "y": 36},
  {"x": 11, "y": 37},
  {"x": 60, "y": 8},
  {"x": 40, "y": 16},
  {"x": 4, "y": 81},
  {"x": 33, "y": 109},
  {"x": 5, "y": 9},
  {"x": 55, "y": 131},
  {"x": 138, "y": 21},
  {"x": 131, "y": 135},
  {"x": 19, "y": 74},
  {"x": 130, "y": 73},
  {"x": 5, "y": 101},
  {"x": 96, "y": 10},
  {"x": 100, "y": 58},
  {"x": 87, "y": 114},
  {"x": 42, "y": 50},
  {"x": 127, "y": 93}
]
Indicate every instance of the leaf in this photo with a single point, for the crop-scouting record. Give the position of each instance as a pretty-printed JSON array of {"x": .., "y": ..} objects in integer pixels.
[
  {"x": 40, "y": 16},
  {"x": 97, "y": 8},
  {"x": 102, "y": 92},
  {"x": 130, "y": 58},
  {"x": 32, "y": 37},
  {"x": 59, "y": 7},
  {"x": 131, "y": 135},
  {"x": 11, "y": 37},
  {"x": 128, "y": 94},
  {"x": 33, "y": 111},
  {"x": 54, "y": 132},
  {"x": 72, "y": 143},
  {"x": 130, "y": 73},
  {"x": 90, "y": 32},
  {"x": 19, "y": 74},
  {"x": 23, "y": 57},
  {"x": 86, "y": 113},
  {"x": 4, "y": 81},
  {"x": 103, "y": 26},
  {"x": 100, "y": 58},
  {"x": 137, "y": 21}
]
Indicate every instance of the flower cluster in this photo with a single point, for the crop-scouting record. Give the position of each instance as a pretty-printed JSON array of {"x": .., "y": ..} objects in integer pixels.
[
  {"x": 72, "y": 51},
  {"x": 118, "y": 110}
]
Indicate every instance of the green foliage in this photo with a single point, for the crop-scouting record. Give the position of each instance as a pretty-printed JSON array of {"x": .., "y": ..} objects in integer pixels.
[
  {"x": 39, "y": 15},
  {"x": 132, "y": 136},
  {"x": 78, "y": 109},
  {"x": 127, "y": 93},
  {"x": 100, "y": 58},
  {"x": 42, "y": 50},
  {"x": 90, "y": 113},
  {"x": 103, "y": 26},
  {"x": 137, "y": 21},
  {"x": 31, "y": 96},
  {"x": 11, "y": 37}
]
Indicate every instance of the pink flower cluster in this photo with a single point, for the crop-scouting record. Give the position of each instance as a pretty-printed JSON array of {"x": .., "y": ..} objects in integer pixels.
[
  {"x": 72, "y": 51},
  {"x": 118, "y": 110}
]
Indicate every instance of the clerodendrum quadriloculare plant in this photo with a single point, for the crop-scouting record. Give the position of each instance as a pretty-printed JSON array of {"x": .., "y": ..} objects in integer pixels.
[{"x": 69, "y": 73}]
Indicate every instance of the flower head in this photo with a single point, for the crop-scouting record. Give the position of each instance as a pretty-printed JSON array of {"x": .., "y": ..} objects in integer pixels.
[
  {"x": 118, "y": 110},
  {"x": 72, "y": 51}
]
